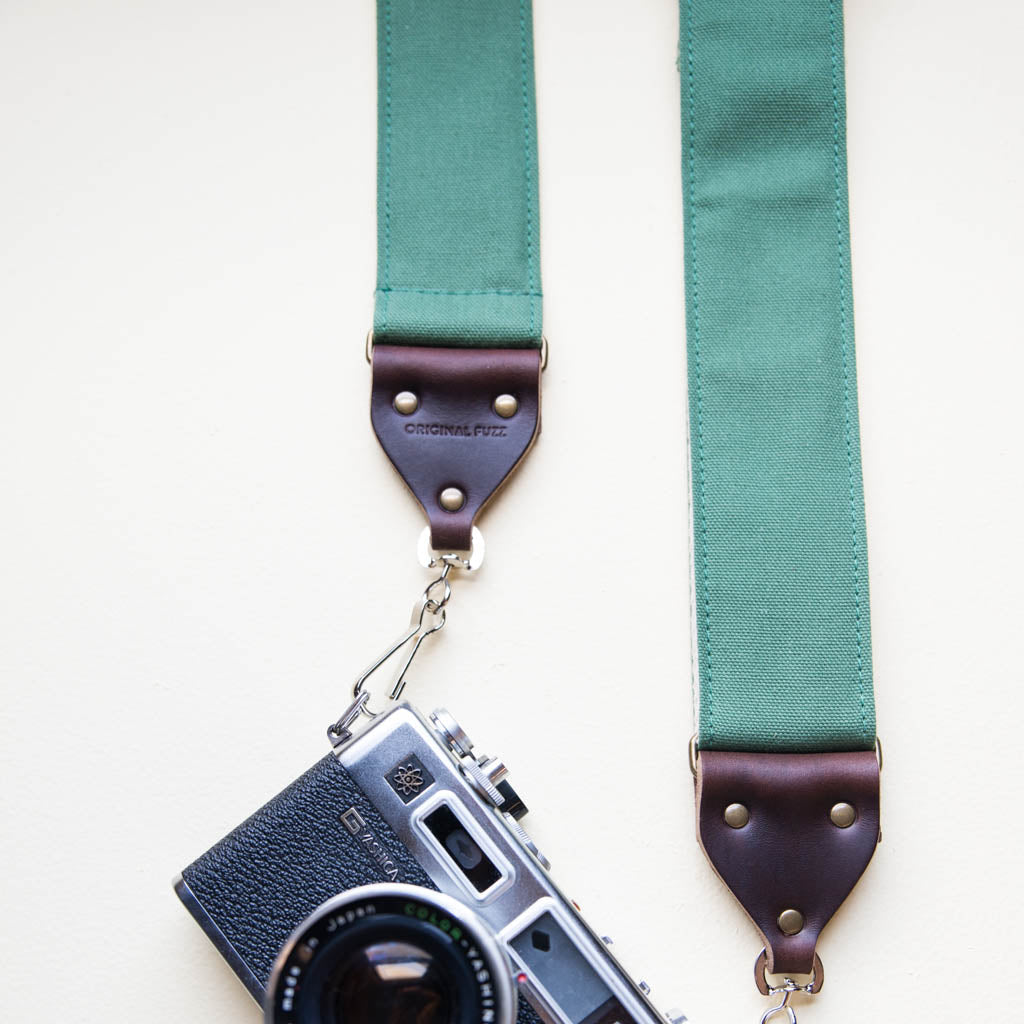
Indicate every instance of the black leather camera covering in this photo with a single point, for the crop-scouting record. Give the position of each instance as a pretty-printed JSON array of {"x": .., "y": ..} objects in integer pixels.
[{"x": 260, "y": 881}]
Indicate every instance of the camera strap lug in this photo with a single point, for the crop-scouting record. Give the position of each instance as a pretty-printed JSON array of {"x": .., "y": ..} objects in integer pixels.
[{"x": 340, "y": 732}]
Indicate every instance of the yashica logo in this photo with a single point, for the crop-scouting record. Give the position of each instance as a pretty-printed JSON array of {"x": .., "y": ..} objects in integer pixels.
[{"x": 374, "y": 848}]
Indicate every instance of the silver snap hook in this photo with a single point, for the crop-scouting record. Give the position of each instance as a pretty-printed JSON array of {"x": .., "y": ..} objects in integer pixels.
[{"x": 782, "y": 1008}]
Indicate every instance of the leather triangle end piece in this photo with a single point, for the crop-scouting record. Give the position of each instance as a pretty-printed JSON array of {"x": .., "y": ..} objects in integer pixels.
[
  {"x": 790, "y": 835},
  {"x": 450, "y": 436}
]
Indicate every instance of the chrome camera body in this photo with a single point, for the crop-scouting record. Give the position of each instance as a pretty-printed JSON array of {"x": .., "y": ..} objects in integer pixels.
[{"x": 402, "y": 853}]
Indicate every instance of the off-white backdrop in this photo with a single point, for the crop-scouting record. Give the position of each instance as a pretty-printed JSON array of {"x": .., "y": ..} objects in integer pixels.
[{"x": 201, "y": 543}]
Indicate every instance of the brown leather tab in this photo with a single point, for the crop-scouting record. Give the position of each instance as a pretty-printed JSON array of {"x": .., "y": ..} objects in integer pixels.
[
  {"x": 789, "y": 855},
  {"x": 454, "y": 437}
]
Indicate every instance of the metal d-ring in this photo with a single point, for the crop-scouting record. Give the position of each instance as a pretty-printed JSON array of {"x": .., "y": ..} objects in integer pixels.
[
  {"x": 815, "y": 985},
  {"x": 694, "y": 755},
  {"x": 469, "y": 561},
  {"x": 787, "y": 989}
]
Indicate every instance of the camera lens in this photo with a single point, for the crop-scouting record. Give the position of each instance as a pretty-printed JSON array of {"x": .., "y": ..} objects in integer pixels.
[
  {"x": 385, "y": 978},
  {"x": 391, "y": 954}
]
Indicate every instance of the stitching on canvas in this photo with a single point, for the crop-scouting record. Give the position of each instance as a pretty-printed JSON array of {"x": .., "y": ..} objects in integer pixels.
[
  {"x": 442, "y": 291},
  {"x": 532, "y": 277},
  {"x": 843, "y": 330},
  {"x": 387, "y": 163},
  {"x": 706, "y": 675}
]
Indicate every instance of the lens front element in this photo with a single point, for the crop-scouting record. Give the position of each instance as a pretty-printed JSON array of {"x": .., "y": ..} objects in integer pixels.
[
  {"x": 387, "y": 973},
  {"x": 391, "y": 954},
  {"x": 390, "y": 982}
]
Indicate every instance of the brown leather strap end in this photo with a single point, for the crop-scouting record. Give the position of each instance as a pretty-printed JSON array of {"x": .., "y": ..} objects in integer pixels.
[
  {"x": 790, "y": 835},
  {"x": 448, "y": 436}
]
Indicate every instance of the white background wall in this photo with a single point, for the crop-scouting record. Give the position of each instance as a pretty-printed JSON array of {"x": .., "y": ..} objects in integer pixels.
[{"x": 201, "y": 545}]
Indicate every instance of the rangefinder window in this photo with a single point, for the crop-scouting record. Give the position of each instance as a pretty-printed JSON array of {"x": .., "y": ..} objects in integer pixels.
[
  {"x": 555, "y": 961},
  {"x": 462, "y": 848}
]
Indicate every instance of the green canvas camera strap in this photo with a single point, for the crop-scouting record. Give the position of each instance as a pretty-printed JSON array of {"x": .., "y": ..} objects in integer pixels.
[
  {"x": 458, "y": 256},
  {"x": 785, "y": 755},
  {"x": 787, "y": 774},
  {"x": 457, "y": 319}
]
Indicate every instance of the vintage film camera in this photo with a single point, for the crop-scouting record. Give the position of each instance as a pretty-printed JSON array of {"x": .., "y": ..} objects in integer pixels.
[{"x": 393, "y": 884}]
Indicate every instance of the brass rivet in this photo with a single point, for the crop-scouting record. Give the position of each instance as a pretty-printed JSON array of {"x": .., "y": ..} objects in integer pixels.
[
  {"x": 843, "y": 815},
  {"x": 406, "y": 403},
  {"x": 506, "y": 406},
  {"x": 736, "y": 816},
  {"x": 791, "y": 921},
  {"x": 452, "y": 499}
]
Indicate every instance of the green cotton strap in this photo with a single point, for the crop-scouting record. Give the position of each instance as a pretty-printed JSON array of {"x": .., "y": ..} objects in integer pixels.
[
  {"x": 458, "y": 259},
  {"x": 781, "y": 583}
]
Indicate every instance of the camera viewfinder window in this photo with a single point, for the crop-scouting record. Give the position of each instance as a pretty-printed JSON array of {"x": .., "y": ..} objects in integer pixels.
[{"x": 462, "y": 848}]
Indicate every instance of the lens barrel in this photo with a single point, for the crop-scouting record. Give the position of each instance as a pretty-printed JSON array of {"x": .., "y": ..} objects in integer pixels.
[{"x": 391, "y": 954}]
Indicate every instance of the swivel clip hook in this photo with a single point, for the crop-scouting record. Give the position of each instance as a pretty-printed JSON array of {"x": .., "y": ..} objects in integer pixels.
[
  {"x": 782, "y": 1008},
  {"x": 429, "y": 615}
]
